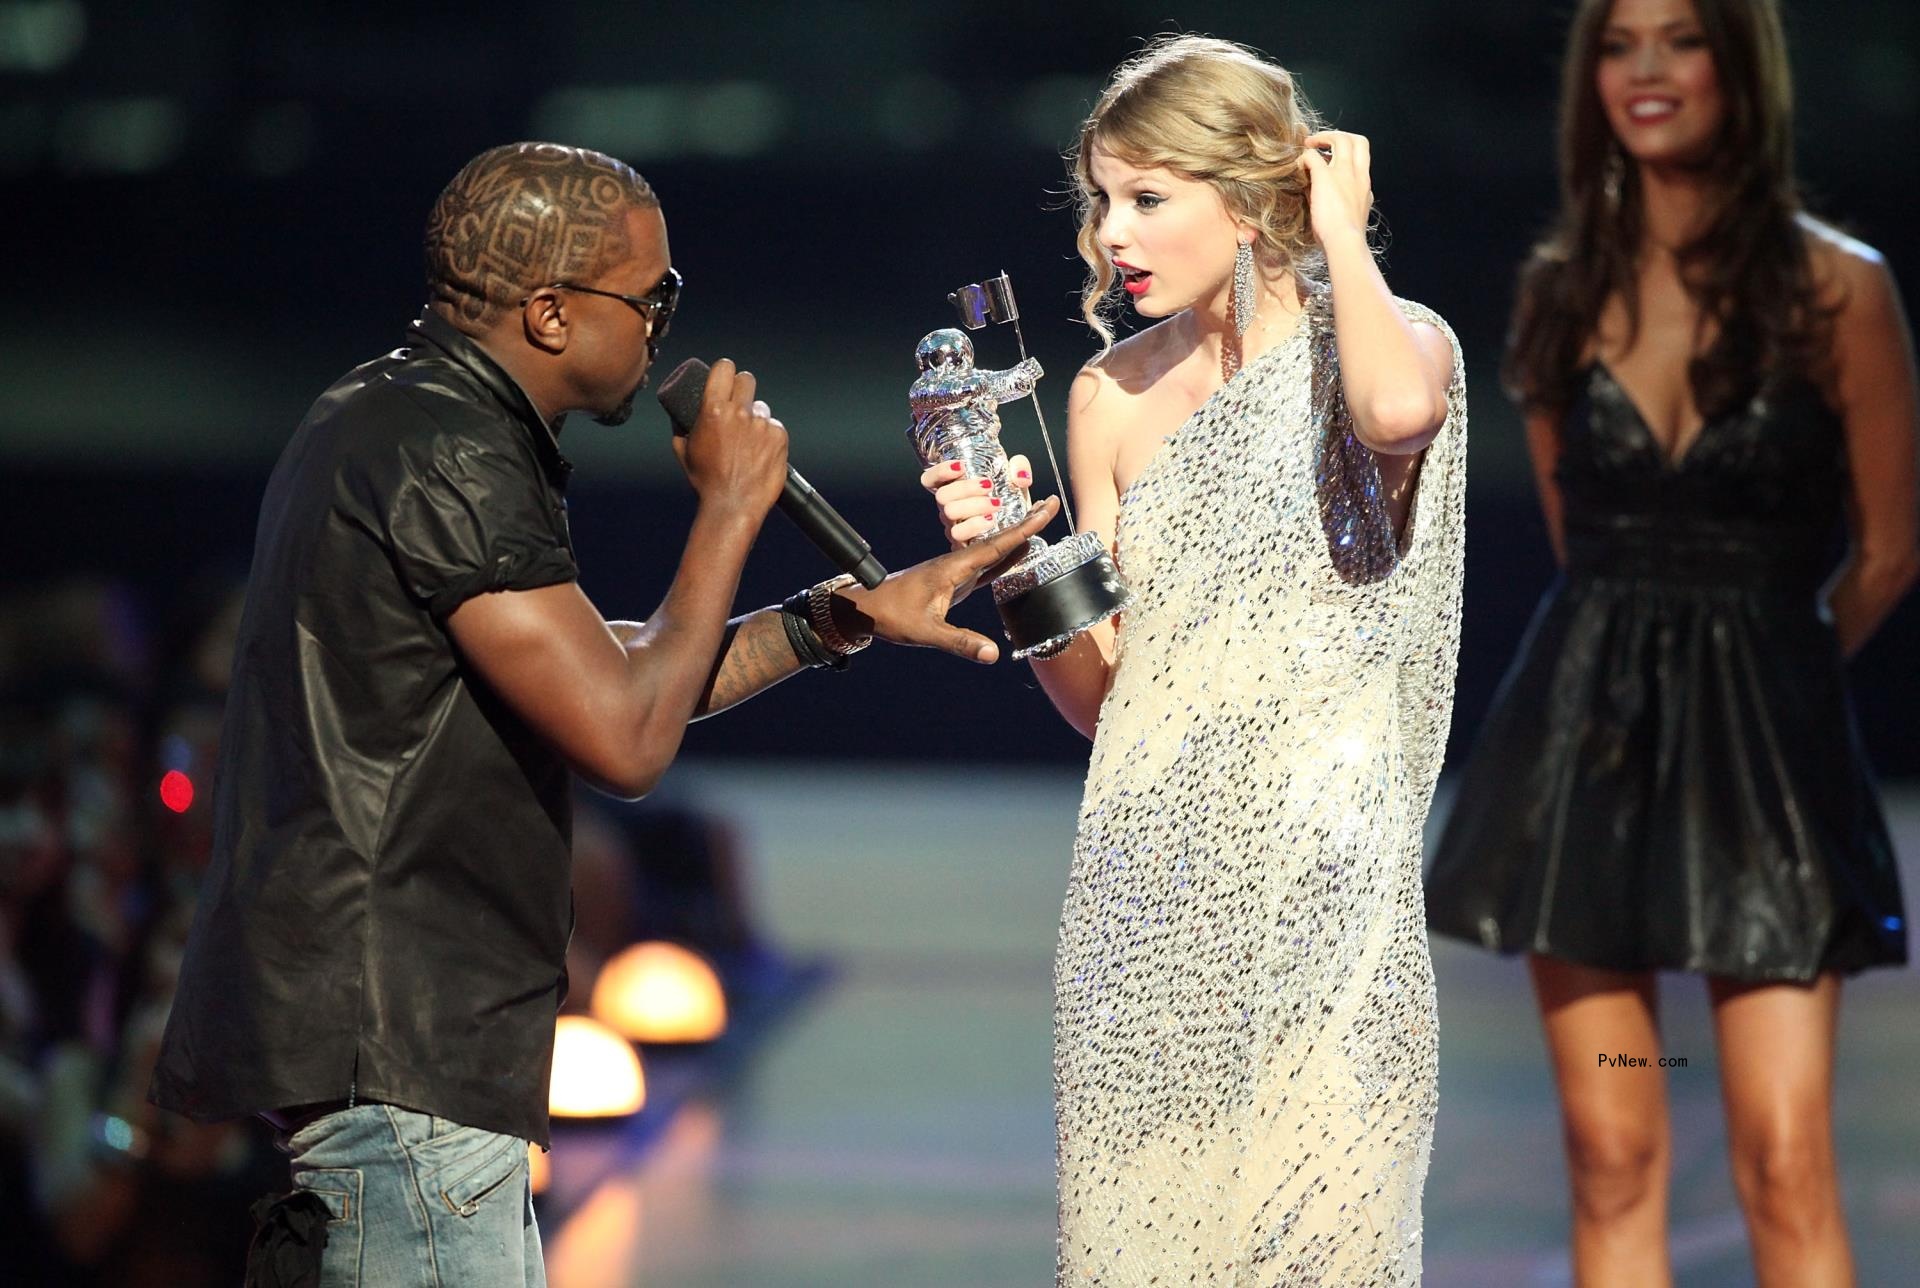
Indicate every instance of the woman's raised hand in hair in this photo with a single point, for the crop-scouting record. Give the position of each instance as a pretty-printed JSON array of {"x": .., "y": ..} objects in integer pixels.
[{"x": 1339, "y": 169}]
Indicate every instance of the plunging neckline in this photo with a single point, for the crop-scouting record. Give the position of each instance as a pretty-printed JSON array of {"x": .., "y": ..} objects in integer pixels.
[
  {"x": 1167, "y": 444},
  {"x": 1671, "y": 463}
]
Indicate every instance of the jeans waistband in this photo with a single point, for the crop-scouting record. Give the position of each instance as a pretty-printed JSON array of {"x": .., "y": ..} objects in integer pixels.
[{"x": 292, "y": 1118}]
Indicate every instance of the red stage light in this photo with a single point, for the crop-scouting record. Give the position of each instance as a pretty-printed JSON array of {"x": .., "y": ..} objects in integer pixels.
[{"x": 176, "y": 791}]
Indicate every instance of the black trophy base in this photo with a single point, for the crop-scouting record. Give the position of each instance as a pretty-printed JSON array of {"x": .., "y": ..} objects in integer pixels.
[{"x": 1042, "y": 620}]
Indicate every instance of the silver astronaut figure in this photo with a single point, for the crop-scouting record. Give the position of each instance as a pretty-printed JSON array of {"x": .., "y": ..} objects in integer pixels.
[
  {"x": 1056, "y": 591},
  {"x": 956, "y": 415}
]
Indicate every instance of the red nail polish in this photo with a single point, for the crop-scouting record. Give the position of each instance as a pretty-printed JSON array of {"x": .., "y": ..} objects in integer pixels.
[
  {"x": 996, "y": 501},
  {"x": 954, "y": 466},
  {"x": 1023, "y": 475},
  {"x": 986, "y": 482}
]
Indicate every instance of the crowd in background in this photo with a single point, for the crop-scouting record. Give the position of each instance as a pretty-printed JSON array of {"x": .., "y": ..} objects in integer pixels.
[
  {"x": 99, "y": 700},
  {"x": 110, "y": 714}
]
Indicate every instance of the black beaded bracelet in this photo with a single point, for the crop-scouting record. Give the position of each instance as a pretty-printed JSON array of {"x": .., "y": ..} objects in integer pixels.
[{"x": 803, "y": 639}]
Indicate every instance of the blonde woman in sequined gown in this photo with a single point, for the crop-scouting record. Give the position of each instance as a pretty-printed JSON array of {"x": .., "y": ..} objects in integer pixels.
[{"x": 1245, "y": 1033}]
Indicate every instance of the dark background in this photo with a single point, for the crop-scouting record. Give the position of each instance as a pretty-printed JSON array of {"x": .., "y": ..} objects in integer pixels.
[{"x": 212, "y": 209}]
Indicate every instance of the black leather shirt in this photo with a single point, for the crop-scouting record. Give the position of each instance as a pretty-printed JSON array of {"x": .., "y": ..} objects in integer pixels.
[{"x": 387, "y": 910}]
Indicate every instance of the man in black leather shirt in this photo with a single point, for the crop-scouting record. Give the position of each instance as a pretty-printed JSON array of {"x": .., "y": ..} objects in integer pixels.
[{"x": 379, "y": 951}]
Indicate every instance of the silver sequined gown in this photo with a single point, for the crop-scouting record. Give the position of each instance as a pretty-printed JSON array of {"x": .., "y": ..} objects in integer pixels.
[{"x": 1244, "y": 1024}]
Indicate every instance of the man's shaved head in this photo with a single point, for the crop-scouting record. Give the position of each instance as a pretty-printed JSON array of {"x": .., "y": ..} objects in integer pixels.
[{"x": 527, "y": 215}]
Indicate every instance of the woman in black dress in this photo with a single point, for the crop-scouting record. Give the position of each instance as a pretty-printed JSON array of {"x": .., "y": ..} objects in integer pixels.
[{"x": 1670, "y": 778}]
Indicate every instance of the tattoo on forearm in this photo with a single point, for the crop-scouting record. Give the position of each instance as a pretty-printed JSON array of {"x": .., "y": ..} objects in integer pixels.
[{"x": 754, "y": 656}]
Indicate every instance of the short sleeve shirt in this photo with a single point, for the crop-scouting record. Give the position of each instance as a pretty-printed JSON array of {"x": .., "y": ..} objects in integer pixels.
[{"x": 387, "y": 908}]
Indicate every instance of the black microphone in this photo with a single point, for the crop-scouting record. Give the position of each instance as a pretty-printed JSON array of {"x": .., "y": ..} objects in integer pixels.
[{"x": 680, "y": 394}]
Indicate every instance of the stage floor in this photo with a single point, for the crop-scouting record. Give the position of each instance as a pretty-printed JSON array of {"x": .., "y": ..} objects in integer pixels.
[{"x": 896, "y": 1132}]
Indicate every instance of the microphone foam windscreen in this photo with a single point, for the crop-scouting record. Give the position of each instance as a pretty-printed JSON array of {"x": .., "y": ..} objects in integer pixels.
[{"x": 680, "y": 393}]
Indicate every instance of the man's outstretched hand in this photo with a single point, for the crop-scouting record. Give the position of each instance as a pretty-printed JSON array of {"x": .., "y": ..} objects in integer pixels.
[{"x": 911, "y": 607}]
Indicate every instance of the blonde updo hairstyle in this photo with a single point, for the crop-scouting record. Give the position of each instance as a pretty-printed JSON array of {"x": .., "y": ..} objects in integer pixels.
[{"x": 1214, "y": 111}]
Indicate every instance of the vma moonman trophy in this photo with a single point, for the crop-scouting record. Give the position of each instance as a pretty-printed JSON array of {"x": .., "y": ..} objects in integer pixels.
[{"x": 1055, "y": 592}]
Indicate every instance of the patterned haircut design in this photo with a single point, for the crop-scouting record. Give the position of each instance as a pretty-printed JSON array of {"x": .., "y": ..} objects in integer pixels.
[{"x": 527, "y": 215}]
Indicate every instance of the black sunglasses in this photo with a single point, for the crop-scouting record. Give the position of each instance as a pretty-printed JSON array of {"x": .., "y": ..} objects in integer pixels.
[{"x": 656, "y": 306}]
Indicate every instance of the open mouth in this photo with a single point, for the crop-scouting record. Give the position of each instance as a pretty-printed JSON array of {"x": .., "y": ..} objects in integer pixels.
[
  {"x": 1134, "y": 280},
  {"x": 1646, "y": 111}
]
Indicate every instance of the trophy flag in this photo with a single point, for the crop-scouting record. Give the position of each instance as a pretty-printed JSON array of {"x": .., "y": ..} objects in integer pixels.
[{"x": 992, "y": 301}]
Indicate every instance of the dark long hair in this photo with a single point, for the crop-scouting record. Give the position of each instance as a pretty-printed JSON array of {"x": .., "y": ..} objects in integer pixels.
[{"x": 1749, "y": 271}]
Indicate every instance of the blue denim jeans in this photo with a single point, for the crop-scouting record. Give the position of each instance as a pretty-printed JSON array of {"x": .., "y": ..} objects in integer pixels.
[{"x": 419, "y": 1201}]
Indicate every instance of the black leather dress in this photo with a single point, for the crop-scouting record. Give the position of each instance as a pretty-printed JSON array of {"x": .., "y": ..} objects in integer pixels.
[{"x": 1670, "y": 777}]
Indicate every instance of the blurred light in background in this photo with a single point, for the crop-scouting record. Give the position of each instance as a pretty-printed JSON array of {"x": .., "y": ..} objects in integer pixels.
[
  {"x": 176, "y": 791},
  {"x": 1051, "y": 108},
  {"x": 737, "y": 119},
  {"x": 539, "y": 1168},
  {"x": 116, "y": 1132},
  {"x": 595, "y": 1073},
  {"x": 135, "y": 135},
  {"x": 633, "y": 122},
  {"x": 40, "y": 35},
  {"x": 660, "y": 992},
  {"x": 642, "y": 123},
  {"x": 640, "y": 1226},
  {"x": 917, "y": 111}
]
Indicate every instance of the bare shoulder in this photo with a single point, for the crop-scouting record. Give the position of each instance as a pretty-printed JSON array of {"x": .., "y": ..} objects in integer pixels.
[
  {"x": 1117, "y": 376},
  {"x": 1850, "y": 274},
  {"x": 1141, "y": 359},
  {"x": 1832, "y": 248}
]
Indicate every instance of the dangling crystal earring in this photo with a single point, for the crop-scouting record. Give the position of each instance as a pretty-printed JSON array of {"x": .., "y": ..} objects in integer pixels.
[
  {"x": 1613, "y": 175},
  {"x": 1243, "y": 297},
  {"x": 1240, "y": 307}
]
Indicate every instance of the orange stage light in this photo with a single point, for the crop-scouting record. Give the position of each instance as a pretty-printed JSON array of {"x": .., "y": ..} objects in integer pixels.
[
  {"x": 660, "y": 992},
  {"x": 595, "y": 1073},
  {"x": 539, "y": 1168}
]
